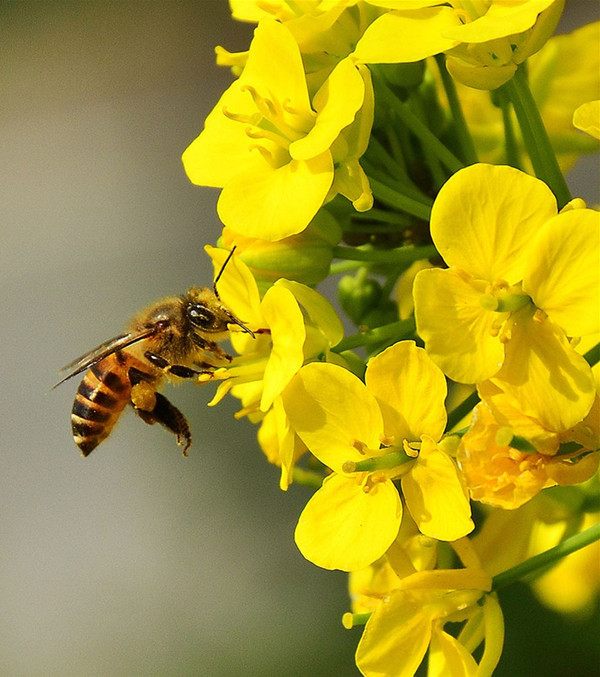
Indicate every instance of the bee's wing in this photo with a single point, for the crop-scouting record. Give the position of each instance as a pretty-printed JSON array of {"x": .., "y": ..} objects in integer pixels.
[{"x": 105, "y": 349}]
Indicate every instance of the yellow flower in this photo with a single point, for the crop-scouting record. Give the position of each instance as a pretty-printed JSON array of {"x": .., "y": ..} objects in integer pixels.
[
  {"x": 505, "y": 477},
  {"x": 521, "y": 279},
  {"x": 484, "y": 40},
  {"x": 278, "y": 155},
  {"x": 410, "y": 619},
  {"x": 292, "y": 322},
  {"x": 326, "y": 31},
  {"x": 353, "y": 519},
  {"x": 561, "y": 76}
]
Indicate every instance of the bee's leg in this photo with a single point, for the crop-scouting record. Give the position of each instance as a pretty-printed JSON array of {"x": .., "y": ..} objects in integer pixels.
[
  {"x": 152, "y": 407},
  {"x": 211, "y": 347},
  {"x": 178, "y": 369}
]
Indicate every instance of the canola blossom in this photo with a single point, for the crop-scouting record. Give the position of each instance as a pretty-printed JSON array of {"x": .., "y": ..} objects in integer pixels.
[
  {"x": 278, "y": 152},
  {"x": 444, "y": 426}
]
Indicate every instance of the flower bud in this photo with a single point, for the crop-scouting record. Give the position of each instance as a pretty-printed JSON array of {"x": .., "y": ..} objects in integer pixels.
[
  {"x": 358, "y": 295},
  {"x": 305, "y": 257}
]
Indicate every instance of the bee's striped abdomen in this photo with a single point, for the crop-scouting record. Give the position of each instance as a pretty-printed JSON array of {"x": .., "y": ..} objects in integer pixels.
[{"x": 101, "y": 397}]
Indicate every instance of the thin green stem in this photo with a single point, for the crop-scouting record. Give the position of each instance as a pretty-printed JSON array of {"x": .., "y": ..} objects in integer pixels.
[
  {"x": 392, "y": 198},
  {"x": 308, "y": 478},
  {"x": 510, "y": 140},
  {"x": 398, "y": 330},
  {"x": 593, "y": 355},
  {"x": 544, "y": 559},
  {"x": 419, "y": 129},
  {"x": 382, "y": 216},
  {"x": 468, "y": 152},
  {"x": 378, "y": 150},
  {"x": 398, "y": 256},
  {"x": 391, "y": 460},
  {"x": 428, "y": 138},
  {"x": 344, "y": 267},
  {"x": 535, "y": 137},
  {"x": 459, "y": 412},
  {"x": 401, "y": 185}
]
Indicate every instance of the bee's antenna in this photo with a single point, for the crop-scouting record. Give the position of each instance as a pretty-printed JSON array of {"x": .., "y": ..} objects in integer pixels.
[{"x": 221, "y": 272}]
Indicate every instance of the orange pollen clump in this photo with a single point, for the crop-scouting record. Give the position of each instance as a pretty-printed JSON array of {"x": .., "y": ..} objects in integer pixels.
[{"x": 360, "y": 446}]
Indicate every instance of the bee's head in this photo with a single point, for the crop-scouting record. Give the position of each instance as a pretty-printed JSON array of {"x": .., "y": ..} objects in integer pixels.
[{"x": 207, "y": 314}]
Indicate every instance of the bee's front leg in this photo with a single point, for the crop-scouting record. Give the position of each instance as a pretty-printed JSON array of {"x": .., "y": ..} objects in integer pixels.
[{"x": 178, "y": 370}]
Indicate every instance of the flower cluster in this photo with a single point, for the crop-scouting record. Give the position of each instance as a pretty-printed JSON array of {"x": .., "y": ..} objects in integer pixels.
[{"x": 416, "y": 142}]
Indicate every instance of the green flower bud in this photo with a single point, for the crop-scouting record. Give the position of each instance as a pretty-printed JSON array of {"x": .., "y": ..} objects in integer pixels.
[
  {"x": 305, "y": 257},
  {"x": 358, "y": 295}
]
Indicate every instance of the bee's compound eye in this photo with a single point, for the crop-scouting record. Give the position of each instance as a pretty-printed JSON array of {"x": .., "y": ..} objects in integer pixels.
[{"x": 200, "y": 316}]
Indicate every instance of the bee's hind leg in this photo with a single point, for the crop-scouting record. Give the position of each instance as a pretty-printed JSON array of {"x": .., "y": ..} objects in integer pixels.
[
  {"x": 152, "y": 407},
  {"x": 169, "y": 417}
]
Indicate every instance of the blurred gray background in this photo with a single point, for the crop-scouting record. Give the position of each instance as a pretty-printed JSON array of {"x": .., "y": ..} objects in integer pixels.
[{"x": 134, "y": 561}]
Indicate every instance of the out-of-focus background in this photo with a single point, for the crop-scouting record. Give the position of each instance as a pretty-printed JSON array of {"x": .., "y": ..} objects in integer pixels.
[{"x": 137, "y": 561}]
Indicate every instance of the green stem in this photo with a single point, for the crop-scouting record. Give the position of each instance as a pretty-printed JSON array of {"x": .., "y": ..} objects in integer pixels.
[
  {"x": 459, "y": 412},
  {"x": 401, "y": 185},
  {"x": 593, "y": 355},
  {"x": 400, "y": 255},
  {"x": 382, "y": 216},
  {"x": 510, "y": 140},
  {"x": 344, "y": 267},
  {"x": 399, "y": 201},
  {"x": 380, "y": 153},
  {"x": 308, "y": 478},
  {"x": 536, "y": 138},
  {"x": 391, "y": 460},
  {"x": 428, "y": 138},
  {"x": 469, "y": 154},
  {"x": 419, "y": 129},
  {"x": 547, "y": 558},
  {"x": 398, "y": 330}
]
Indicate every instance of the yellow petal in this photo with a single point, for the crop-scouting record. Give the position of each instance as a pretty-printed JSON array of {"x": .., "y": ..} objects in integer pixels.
[
  {"x": 563, "y": 277},
  {"x": 284, "y": 317},
  {"x": 320, "y": 311},
  {"x": 448, "y": 657},
  {"x": 237, "y": 287},
  {"x": 587, "y": 118},
  {"x": 282, "y": 77},
  {"x": 221, "y": 150},
  {"x": 435, "y": 497},
  {"x": 479, "y": 76},
  {"x": 271, "y": 203},
  {"x": 332, "y": 411},
  {"x": 397, "y": 635},
  {"x": 500, "y": 20},
  {"x": 344, "y": 527},
  {"x": 336, "y": 103},
  {"x": 484, "y": 216},
  {"x": 351, "y": 181},
  {"x": 401, "y": 37},
  {"x": 543, "y": 376},
  {"x": 457, "y": 331},
  {"x": 395, "y": 376}
]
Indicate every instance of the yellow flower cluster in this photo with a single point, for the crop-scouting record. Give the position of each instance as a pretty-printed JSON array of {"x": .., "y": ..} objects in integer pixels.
[{"x": 475, "y": 288}]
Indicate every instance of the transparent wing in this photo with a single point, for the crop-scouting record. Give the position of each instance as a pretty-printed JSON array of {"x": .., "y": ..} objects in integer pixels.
[{"x": 105, "y": 349}]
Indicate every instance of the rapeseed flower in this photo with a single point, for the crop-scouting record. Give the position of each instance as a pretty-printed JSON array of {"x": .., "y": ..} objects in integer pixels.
[
  {"x": 277, "y": 154},
  {"x": 484, "y": 40},
  {"x": 355, "y": 516},
  {"x": 522, "y": 280}
]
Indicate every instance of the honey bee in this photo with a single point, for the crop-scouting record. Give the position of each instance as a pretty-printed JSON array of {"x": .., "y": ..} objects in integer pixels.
[{"x": 176, "y": 337}]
